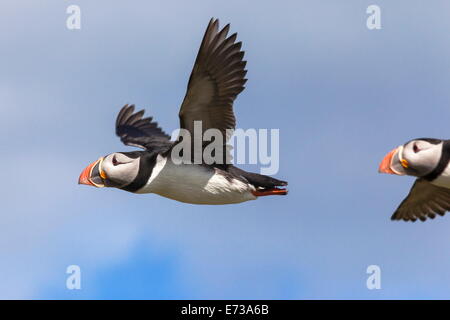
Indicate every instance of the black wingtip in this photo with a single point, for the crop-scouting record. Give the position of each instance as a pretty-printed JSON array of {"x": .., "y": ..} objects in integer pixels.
[{"x": 395, "y": 217}]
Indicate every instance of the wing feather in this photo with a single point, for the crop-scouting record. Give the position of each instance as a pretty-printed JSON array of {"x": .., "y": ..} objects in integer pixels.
[
  {"x": 134, "y": 130},
  {"x": 425, "y": 200},
  {"x": 216, "y": 79}
]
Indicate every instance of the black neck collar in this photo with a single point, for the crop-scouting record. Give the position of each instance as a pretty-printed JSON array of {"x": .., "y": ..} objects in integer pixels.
[
  {"x": 443, "y": 162},
  {"x": 147, "y": 161}
]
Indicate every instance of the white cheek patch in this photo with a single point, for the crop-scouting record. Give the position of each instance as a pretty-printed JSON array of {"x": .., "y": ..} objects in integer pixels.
[
  {"x": 428, "y": 159},
  {"x": 129, "y": 171},
  {"x": 425, "y": 160},
  {"x": 122, "y": 174}
]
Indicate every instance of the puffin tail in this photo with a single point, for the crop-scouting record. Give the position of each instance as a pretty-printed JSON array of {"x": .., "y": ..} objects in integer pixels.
[{"x": 265, "y": 185}]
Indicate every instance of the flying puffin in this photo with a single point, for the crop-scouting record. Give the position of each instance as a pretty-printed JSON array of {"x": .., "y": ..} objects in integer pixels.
[
  {"x": 216, "y": 80},
  {"x": 428, "y": 160}
]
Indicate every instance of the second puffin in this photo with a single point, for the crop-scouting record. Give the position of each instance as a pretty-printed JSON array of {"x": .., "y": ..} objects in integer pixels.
[{"x": 428, "y": 160}]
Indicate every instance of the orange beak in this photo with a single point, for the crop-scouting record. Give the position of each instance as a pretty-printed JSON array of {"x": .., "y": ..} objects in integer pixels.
[
  {"x": 385, "y": 165},
  {"x": 85, "y": 176}
]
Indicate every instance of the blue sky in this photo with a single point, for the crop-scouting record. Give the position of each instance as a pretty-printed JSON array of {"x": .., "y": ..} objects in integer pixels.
[{"x": 341, "y": 95}]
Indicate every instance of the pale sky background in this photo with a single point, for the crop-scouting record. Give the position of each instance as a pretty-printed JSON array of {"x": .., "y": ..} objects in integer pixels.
[{"x": 341, "y": 95}]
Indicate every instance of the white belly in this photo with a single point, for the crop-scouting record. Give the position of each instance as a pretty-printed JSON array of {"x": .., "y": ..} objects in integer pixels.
[{"x": 195, "y": 184}]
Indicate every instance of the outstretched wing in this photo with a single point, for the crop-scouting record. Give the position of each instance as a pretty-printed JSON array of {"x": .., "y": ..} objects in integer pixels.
[
  {"x": 216, "y": 80},
  {"x": 134, "y": 130},
  {"x": 425, "y": 200}
]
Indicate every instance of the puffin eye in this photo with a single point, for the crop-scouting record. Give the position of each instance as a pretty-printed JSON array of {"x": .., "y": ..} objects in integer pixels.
[
  {"x": 114, "y": 161},
  {"x": 416, "y": 148}
]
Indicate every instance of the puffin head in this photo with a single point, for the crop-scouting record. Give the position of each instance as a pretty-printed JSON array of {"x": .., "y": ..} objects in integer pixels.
[
  {"x": 116, "y": 170},
  {"x": 416, "y": 158}
]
